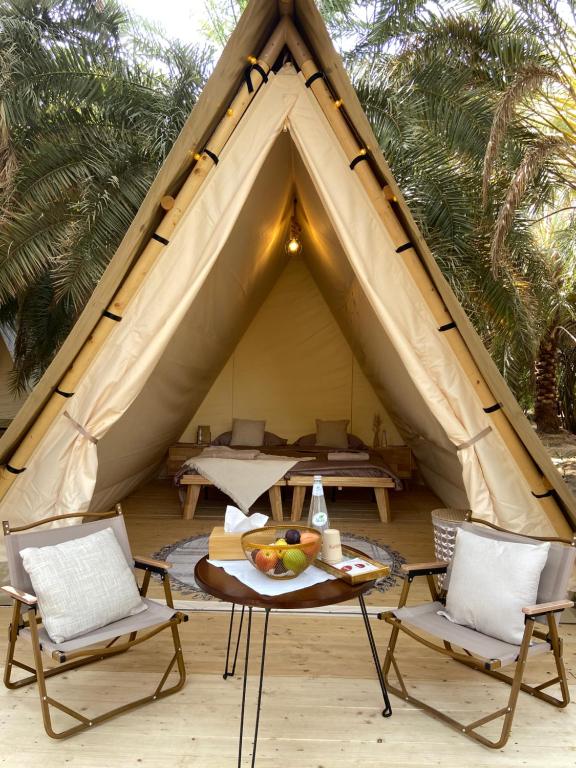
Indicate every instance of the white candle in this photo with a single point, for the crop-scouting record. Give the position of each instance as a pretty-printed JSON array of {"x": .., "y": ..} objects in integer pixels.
[{"x": 331, "y": 546}]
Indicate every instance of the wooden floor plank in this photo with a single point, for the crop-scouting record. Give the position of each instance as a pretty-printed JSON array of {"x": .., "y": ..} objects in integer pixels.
[{"x": 321, "y": 702}]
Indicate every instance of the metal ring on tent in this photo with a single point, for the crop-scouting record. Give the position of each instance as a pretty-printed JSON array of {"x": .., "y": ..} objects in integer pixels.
[
  {"x": 544, "y": 495},
  {"x": 447, "y": 327},
  {"x": 111, "y": 316},
  {"x": 248, "y": 72},
  {"x": 492, "y": 408},
  {"x": 315, "y": 76},
  {"x": 405, "y": 247},
  {"x": 214, "y": 157},
  {"x": 358, "y": 159},
  {"x": 15, "y": 470},
  {"x": 61, "y": 392}
]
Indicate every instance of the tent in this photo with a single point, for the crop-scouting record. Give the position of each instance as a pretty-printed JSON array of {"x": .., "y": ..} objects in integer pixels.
[
  {"x": 9, "y": 402},
  {"x": 277, "y": 120}
]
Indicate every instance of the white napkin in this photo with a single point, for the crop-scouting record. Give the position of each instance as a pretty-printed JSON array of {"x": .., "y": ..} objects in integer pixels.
[
  {"x": 259, "y": 582},
  {"x": 235, "y": 521}
]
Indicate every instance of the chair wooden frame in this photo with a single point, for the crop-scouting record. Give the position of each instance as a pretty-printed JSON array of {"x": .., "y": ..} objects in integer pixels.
[
  {"x": 489, "y": 667},
  {"x": 25, "y": 616}
]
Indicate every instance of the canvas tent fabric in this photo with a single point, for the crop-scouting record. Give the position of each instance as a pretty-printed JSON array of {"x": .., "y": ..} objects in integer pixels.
[{"x": 206, "y": 285}]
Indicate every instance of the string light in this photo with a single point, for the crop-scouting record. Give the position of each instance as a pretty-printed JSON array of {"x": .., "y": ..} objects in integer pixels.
[
  {"x": 338, "y": 103},
  {"x": 293, "y": 243}
]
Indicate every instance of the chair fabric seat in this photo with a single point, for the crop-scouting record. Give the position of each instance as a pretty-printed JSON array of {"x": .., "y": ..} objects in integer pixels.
[
  {"x": 425, "y": 618},
  {"x": 156, "y": 613}
]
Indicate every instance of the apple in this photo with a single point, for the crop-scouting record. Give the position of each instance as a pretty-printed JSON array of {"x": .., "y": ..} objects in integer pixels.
[
  {"x": 266, "y": 560},
  {"x": 295, "y": 560},
  {"x": 292, "y": 536}
]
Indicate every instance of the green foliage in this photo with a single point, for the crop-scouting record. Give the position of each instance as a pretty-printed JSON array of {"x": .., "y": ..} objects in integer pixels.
[{"x": 90, "y": 106}]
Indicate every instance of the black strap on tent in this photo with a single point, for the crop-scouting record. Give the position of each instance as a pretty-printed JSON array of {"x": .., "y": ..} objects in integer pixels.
[
  {"x": 61, "y": 392},
  {"x": 111, "y": 316},
  {"x": 544, "y": 495},
  {"x": 405, "y": 247},
  {"x": 358, "y": 159},
  {"x": 160, "y": 239},
  {"x": 492, "y": 408},
  {"x": 248, "y": 73},
  {"x": 214, "y": 157},
  {"x": 447, "y": 327},
  {"x": 15, "y": 470},
  {"x": 313, "y": 77}
]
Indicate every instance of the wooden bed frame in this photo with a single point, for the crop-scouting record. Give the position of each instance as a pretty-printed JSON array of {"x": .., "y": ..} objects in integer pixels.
[
  {"x": 195, "y": 483},
  {"x": 398, "y": 457},
  {"x": 380, "y": 486}
]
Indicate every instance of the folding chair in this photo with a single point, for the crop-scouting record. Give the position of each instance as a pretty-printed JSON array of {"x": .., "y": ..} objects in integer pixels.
[
  {"x": 96, "y": 645},
  {"x": 480, "y": 651}
]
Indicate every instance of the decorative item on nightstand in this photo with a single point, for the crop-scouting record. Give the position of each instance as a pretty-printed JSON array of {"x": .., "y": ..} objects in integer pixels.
[
  {"x": 203, "y": 436},
  {"x": 379, "y": 439}
]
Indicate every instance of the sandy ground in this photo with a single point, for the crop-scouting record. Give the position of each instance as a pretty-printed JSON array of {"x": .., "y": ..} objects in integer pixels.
[{"x": 562, "y": 449}]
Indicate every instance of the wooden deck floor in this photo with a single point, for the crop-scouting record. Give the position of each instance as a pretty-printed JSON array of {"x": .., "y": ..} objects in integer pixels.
[{"x": 321, "y": 705}]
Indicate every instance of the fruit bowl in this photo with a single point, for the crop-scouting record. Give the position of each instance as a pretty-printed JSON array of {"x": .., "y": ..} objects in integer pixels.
[{"x": 281, "y": 551}]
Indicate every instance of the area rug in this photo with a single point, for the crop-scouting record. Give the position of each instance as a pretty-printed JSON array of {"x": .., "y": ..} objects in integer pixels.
[{"x": 185, "y": 554}]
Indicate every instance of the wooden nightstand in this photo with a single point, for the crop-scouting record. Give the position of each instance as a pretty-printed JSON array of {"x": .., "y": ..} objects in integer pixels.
[{"x": 399, "y": 458}]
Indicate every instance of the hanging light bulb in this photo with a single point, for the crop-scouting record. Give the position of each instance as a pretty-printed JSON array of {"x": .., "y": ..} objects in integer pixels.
[{"x": 293, "y": 243}]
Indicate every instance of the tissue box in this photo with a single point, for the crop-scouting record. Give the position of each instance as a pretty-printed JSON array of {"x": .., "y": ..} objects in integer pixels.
[{"x": 224, "y": 546}]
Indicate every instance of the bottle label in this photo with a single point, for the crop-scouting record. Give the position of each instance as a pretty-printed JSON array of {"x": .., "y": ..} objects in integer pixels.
[
  {"x": 319, "y": 519},
  {"x": 317, "y": 489}
]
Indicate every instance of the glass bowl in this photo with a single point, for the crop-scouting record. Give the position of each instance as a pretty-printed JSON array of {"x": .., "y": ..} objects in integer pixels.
[{"x": 281, "y": 551}]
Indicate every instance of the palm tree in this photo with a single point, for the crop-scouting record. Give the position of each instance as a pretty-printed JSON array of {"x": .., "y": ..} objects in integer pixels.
[{"x": 91, "y": 103}]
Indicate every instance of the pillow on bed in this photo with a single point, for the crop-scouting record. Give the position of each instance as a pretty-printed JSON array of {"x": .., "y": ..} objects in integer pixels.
[
  {"x": 332, "y": 433},
  {"x": 247, "y": 432},
  {"x": 270, "y": 439},
  {"x": 354, "y": 442}
]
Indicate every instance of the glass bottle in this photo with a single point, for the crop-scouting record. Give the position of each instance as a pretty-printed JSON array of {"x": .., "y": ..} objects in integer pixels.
[{"x": 318, "y": 513}]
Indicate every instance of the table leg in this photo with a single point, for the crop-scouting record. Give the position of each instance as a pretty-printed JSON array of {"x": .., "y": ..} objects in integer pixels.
[
  {"x": 275, "y": 494},
  {"x": 260, "y": 682},
  {"x": 192, "y": 494},
  {"x": 230, "y": 672},
  {"x": 387, "y": 708},
  {"x": 298, "y": 495},
  {"x": 383, "y": 502}
]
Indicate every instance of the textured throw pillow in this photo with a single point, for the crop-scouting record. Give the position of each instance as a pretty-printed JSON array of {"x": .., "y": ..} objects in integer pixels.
[
  {"x": 248, "y": 432},
  {"x": 354, "y": 442},
  {"x": 332, "y": 434},
  {"x": 82, "y": 584},
  {"x": 491, "y": 581}
]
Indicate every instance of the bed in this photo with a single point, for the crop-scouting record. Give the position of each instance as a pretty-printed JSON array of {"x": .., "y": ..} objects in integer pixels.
[{"x": 374, "y": 473}]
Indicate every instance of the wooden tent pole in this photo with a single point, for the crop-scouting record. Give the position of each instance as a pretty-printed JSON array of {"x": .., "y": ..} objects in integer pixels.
[
  {"x": 332, "y": 109},
  {"x": 142, "y": 266}
]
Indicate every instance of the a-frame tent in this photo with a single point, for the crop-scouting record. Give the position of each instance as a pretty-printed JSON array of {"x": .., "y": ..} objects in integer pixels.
[{"x": 277, "y": 118}]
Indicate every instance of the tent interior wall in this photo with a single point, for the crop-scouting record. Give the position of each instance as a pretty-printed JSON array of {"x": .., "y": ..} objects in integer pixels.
[{"x": 251, "y": 263}]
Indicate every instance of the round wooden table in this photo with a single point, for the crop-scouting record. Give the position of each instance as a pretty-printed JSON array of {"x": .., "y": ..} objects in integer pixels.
[{"x": 220, "y": 584}]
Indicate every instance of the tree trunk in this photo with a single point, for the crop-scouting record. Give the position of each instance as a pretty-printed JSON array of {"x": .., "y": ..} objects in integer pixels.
[{"x": 546, "y": 395}]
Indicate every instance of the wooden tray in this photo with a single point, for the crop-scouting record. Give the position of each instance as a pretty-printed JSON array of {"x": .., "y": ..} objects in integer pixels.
[{"x": 348, "y": 552}]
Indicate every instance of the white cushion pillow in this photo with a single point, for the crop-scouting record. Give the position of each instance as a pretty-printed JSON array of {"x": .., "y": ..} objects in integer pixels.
[
  {"x": 82, "y": 584},
  {"x": 247, "y": 432},
  {"x": 491, "y": 581}
]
